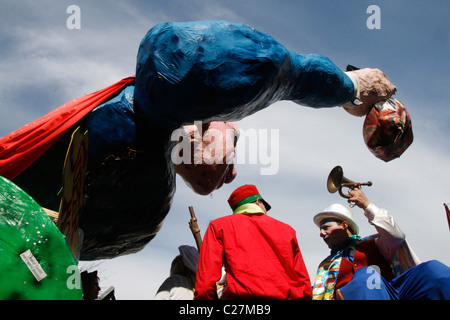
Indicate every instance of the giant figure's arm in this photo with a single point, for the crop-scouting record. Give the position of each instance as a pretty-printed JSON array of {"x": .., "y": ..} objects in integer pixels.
[{"x": 216, "y": 70}]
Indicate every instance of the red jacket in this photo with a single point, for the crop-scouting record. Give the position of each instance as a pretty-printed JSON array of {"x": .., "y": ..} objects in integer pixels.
[
  {"x": 366, "y": 254},
  {"x": 261, "y": 257}
]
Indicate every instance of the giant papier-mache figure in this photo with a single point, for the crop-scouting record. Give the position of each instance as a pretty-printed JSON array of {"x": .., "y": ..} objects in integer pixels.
[{"x": 210, "y": 71}]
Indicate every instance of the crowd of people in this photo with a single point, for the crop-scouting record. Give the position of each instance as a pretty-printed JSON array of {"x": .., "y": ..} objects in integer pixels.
[{"x": 250, "y": 255}]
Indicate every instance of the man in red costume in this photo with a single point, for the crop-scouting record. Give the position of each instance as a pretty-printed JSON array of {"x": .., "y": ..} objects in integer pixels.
[{"x": 260, "y": 254}]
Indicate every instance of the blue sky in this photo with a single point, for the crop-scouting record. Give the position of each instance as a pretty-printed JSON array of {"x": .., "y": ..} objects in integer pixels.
[{"x": 43, "y": 64}]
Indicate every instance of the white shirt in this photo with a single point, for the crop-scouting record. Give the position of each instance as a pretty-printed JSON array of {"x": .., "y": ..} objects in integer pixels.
[
  {"x": 176, "y": 287},
  {"x": 391, "y": 240}
]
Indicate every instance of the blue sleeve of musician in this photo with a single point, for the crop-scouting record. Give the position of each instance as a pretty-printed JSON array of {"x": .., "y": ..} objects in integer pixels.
[{"x": 217, "y": 70}]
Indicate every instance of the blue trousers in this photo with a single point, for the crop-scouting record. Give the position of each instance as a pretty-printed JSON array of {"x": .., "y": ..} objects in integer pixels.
[{"x": 426, "y": 281}]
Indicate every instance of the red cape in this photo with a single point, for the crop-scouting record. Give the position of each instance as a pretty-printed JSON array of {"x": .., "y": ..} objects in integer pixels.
[{"x": 19, "y": 149}]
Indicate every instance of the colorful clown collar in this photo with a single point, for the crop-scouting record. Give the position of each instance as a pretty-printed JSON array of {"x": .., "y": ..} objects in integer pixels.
[{"x": 328, "y": 270}]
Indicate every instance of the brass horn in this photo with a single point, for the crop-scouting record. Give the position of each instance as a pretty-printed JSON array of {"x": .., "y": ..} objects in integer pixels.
[{"x": 336, "y": 181}]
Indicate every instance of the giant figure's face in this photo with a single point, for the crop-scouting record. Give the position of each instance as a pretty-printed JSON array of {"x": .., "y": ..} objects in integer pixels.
[{"x": 208, "y": 151}]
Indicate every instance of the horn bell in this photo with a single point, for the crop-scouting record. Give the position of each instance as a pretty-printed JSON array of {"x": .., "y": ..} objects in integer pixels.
[{"x": 336, "y": 179}]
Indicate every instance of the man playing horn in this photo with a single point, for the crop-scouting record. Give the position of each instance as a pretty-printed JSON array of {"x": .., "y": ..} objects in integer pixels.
[{"x": 378, "y": 267}]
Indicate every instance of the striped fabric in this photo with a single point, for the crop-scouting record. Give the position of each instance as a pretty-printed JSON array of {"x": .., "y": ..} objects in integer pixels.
[
  {"x": 328, "y": 270},
  {"x": 326, "y": 277},
  {"x": 327, "y": 273}
]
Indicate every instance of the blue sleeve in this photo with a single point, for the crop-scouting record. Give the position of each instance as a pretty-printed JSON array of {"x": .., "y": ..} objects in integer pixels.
[
  {"x": 318, "y": 82},
  {"x": 217, "y": 70}
]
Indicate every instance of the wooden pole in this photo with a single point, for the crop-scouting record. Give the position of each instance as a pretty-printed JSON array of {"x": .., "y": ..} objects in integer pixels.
[{"x": 194, "y": 228}]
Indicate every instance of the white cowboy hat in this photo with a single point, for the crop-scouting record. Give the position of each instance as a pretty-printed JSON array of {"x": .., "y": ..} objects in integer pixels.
[{"x": 337, "y": 211}]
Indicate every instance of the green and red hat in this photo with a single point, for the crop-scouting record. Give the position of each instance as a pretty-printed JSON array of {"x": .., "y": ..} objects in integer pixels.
[{"x": 245, "y": 194}]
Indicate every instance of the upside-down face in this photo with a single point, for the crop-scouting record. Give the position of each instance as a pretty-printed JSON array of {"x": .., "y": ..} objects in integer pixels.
[{"x": 212, "y": 150}]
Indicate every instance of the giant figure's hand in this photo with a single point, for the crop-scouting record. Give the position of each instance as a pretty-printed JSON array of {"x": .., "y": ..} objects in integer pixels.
[{"x": 373, "y": 87}]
